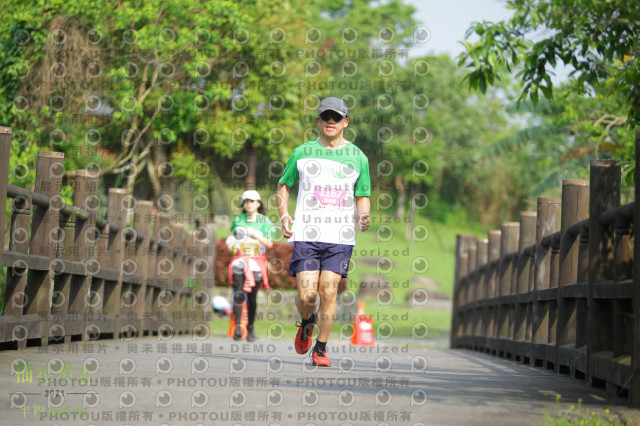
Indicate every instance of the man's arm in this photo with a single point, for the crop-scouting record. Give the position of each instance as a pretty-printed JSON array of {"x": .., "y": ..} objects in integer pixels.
[
  {"x": 282, "y": 199},
  {"x": 363, "y": 205}
]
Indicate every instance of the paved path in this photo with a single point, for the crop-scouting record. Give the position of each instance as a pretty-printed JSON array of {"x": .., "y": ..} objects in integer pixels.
[{"x": 216, "y": 381}]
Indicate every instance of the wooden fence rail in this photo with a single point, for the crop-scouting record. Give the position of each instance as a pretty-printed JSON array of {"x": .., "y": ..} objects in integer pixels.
[
  {"x": 72, "y": 275},
  {"x": 556, "y": 289}
]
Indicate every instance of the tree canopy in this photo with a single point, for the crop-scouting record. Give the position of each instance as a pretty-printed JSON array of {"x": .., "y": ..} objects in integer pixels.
[
  {"x": 596, "y": 111},
  {"x": 599, "y": 40},
  {"x": 187, "y": 98}
]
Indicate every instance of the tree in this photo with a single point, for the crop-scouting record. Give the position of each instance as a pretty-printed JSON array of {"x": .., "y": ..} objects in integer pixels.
[
  {"x": 130, "y": 78},
  {"x": 598, "y": 39},
  {"x": 262, "y": 120},
  {"x": 166, "y": 93},
  {"x": 599, "y": 106}
]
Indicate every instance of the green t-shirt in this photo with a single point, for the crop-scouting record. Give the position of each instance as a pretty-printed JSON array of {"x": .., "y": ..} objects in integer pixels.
[
  {"x": 248, "y": 245},
  {"x": 330, "y": 179}
]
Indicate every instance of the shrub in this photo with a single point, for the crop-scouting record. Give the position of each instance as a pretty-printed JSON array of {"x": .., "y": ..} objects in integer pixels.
[{"x": 278, "y": 258}]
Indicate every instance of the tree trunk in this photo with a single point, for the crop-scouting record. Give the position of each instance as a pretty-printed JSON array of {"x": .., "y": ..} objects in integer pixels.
[
  {"x": 402, "y": 197},
  {"x": 252, "y": 156},
  {"x": 413, "y": 214},
  {"x": 218, "y": 186},
  {"x": 157, "y": 157}
]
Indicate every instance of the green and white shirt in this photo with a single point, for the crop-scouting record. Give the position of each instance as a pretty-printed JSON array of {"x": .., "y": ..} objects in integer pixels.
[
  {"x": 240, "y": 241},
  {"x": 330, "y": 179}
]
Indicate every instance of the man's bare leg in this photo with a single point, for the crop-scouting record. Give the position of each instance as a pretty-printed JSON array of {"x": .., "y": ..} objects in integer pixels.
[
  {"x": 328, "y": 290},
  {"x": 307, "y": 291}
]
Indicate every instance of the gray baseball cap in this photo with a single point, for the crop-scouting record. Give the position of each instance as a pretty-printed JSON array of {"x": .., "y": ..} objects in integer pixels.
[{"x": 333, "y": 104}]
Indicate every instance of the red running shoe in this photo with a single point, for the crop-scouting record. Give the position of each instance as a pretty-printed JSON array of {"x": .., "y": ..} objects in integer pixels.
[
  {"x": 303, "y": 337},
  {"x": 320, "y": 358}
]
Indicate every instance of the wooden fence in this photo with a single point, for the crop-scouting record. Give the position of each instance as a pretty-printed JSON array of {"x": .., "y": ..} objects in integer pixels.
[
  {"x": 75, "y": 276},
  {"x": 556, "y": 289}
]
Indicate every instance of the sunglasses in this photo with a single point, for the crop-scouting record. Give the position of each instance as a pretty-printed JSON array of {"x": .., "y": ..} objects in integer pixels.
[{"x": 331, "y": 115}]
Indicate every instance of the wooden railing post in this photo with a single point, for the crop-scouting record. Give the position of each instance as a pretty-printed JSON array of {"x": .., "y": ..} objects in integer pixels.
[
  {"x": 481, "y": 262},
  {"x": 189, "y": 279},
  {"x": 462, "y": 247},
  {"x": 548, "y": 222},
  {"x": 520, "y": 287},
  {"x": 14, "y": 295},
  {"x": 113, "y": 288},
  {"x": 471, "y": 267},
  {"x": 62, "y": 282},
  {"x": 468, "y": 287},
  {"x": 178, "y": 279},
  {"x": 622, "y": 275},
  {"x": 493, "y": 251},
  {"x": 164, "y": 267},
  {"x": 635, "y": 358},
  {"x": 527, "y": 237},
  {"x": 190, "y": 249},
  {"x": 605, "y": 181},
  {"x": 464, "y": 272},
  {"x": 97, "y": 293},
  {"x": 142, "y": 224},
  {"x": 129, "y": 325},
  {"x": 575, "y": 204},
  {"x": 200, "y": 269},
  {"x": 5, "y": 150},
  {"x": 44, "y": 233},
  {"x": 508, "y": 244},
  {"x": 207, "y": 235},
  {"x": 152, "y": 285},
  {"x": 482, "y": 257},
  {"x": 494, "y": 237},
  {"x": 86, "y": 237},
  {"x": 510, "y": 233}
]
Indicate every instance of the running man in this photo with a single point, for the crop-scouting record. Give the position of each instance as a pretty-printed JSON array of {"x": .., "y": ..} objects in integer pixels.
[{"x": 334, "y": 182}]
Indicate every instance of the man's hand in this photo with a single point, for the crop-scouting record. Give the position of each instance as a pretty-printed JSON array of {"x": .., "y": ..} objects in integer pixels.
[
  {"x": 363, "y": 204},
  {"x": 364, "y": 221},
  {"x": 287, "y": 223},
  {"x": 282, "y": 198}
]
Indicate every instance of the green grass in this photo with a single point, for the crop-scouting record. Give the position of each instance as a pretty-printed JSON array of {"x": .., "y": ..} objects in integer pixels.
[
  {"x": 576, "y": 415},
  {"x": 402, "y": 320}
]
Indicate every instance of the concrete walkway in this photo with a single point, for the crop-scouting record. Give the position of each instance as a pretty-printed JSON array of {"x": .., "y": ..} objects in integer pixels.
[{"x": 181, "y": 381}]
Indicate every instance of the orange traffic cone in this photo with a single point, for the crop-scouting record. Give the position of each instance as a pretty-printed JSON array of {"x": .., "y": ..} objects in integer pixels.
[
  {"x": 243, "y": 325},
  {"x": 362, "y": 328}
]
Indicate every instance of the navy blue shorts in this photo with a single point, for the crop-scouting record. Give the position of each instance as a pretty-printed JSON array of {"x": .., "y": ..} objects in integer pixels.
[{"x": 317, "y": 256}]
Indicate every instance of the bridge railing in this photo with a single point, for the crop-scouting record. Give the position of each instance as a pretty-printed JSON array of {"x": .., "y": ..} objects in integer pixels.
[
  {"x": 72, "y": 275},
  {"x": 556, "y": 289}
]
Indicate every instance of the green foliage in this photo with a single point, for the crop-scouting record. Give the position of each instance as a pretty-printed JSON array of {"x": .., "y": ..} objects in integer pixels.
[
  {"x": 562, "y": 137},
  {"x": 597, "y": 39},
  {"x": 168, "y": 96},
  {"x": 576, "y": 415},
  {"x": 593, "y": 115},
  {"x": 146, "y": 66}
]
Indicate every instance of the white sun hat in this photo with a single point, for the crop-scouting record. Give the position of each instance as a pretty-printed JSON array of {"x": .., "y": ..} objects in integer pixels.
[{"x": 250, "y": 194}]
